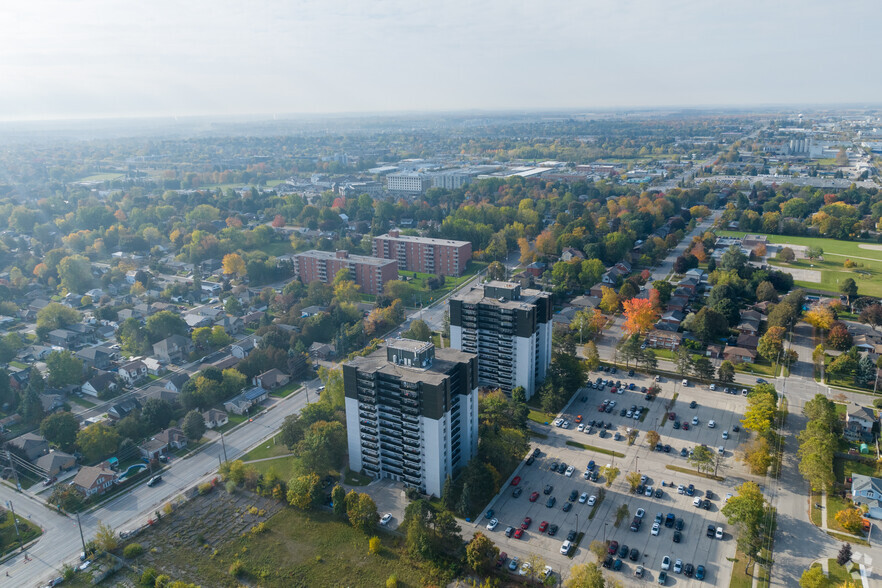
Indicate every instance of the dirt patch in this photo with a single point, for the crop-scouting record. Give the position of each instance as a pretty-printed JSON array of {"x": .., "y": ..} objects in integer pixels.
[
  {"x": 803, "y": 275},
  {"x": 870, "y": 247}
]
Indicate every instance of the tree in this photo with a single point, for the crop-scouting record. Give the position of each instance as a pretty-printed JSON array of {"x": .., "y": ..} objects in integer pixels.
[
  {"x": 683, "y": 360},
  {"x": 165, "y": 323},
  {"x": 761, "y": 409},
  {"x": 609, "y": 303},
  {"x": 748, "y": 511},
  {"x": 363, "y": 513},
  {"x": 844, "y": 554},
  {"x": 702, "y": 458},
  {"x": 766, "y": 292},
  {"x": 872, "y": 315},
  {"x": 771, "y": 344},
  {"x": 194, "y": 425},
  {"x": 586, "y": 575},
  {"x": 97, "y": 441},
  {"x": 105, "y": 537},
  {"x": 665, "y": 289},
  {"x": 418, "y": 330},
  {"x": 65, "y": 369},
  {"x": 786, "y": 255},
  {"x": 814, "y": 252},
  {"x": 75, "y": 273},
  {"x": 219, "y": 337},
  {"x": 820, "y": 317},
  {"x": 61, "y": 429},
  {"x": 851, "y": 519},
  {"x": 592, "y": 357},
  {"x": 157, "y": 413},
  {"x": 496, "y": 271},
  {"x": 305, "y": 491},
  {"x": 733, "y": 259},
  {"x": 839, "y": 338},
  {"x": 598, "y": 548},
  {"x": 338, "y": 500},
  {"x": 726, "y": 371},
  {"x": 633, "y": 479},
  {"x": 481, "y": 554},
  {"x": 610, "y": 473},
  {"x": 57, "y": 316},
  {"x": 652, "y": 438},
  {"x": 813, "y": 578},
  {"x": 639, "y": 316},
  {"x": 709, "y": 325},
  {"x": 703, "y": 368},
  {"x": 849, "y": 288},
  {"x": 628, "y": 291},
  {"x": 758, "y": 456},
  {"x": 322, "y": 446},
  {"x": 233, "y": 264}
]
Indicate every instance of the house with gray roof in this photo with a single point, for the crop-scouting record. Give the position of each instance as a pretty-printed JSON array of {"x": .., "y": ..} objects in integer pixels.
[{"x": 867, "y": 490}]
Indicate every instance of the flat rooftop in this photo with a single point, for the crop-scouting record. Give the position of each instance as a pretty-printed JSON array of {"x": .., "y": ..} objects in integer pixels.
[
  {"x": 426, "y": 240},
  {"x": 330, "y": 255},
  {"x": 445, "y": 360},
  {"x": 476, "y": 295}
]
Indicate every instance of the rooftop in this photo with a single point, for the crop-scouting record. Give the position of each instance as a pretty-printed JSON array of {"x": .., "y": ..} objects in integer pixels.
[
  {"x": 330, "y": 255},
  {"x": 426, "y": 240},
  {"x": 435, "y": 373}
]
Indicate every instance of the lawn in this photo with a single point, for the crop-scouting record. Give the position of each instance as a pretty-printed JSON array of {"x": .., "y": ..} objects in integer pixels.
[
  {"x": 9, "y": 540},
  {"x": 831, "y": 267},
  {"x": 105, "y": 177},
  {"x": 426, "y": 296},
  {"x": 286, "y": 391},
  {"x": 82, "y": 402},
  {"x": 694, "y": 473},
  {"x": 284, "y": 467},
  {"x": 740, "y": 578},
  {"x": 843, "y": 468},
  {"x": 356, "y": 479},
  {"x": 272, "y": 448},
  {"x": 760, "y": 368},
  {"x": 837, "y": 574},
  {"x": 543, "y": 418},
  {"x": 595, "y": 449},
  {"x": 835, "y": 504}
]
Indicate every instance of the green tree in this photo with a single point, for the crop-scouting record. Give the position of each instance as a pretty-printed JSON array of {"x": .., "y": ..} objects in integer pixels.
[
  {"x": 164, "y": 324},
  {"x": 766, "y": 292},
  {"x": 747, "y": 510},
  {"x": 418, "y": 330},
  {"x": 219, "y": 337},
  {"x": 363, "y": 515},
  {"x": 703, "y": 368},
  {"x": 665, "y": 289},
  {"x": 702, "y": 458},
  {"x": 592, "y": 357},
  {"x": 338, "y": 500},
  {"x": 709, "y": 325},
  {"x": 194, "y": 425},
  {"x": 57, "y": 316},
  {"x": 75, "y": 273},
  {"x": 786, "y": 255},
  {"x": 481, "y": 554},
  {"x": 322, "y": 446},
  {"x": 61, "y": 428},
  {"x": 157, "y": 414},
  {"x": 762, "y": 408},
  {"x": 106, "y": 538},
  {"x": 726, "y": 371},
  {"x": 65, "y": 369},
  {"x": 733, "y": 259},
  {"x": 496, "y": 271},
  {"x": 586, "y": 575},
  {"x": 683, "y": 360},
  {"x": 97, "y": 441},
  {"x": 849, "y": 288},
  {"x": 305, "y": 491},
  {"x": 813, "y": 578}
]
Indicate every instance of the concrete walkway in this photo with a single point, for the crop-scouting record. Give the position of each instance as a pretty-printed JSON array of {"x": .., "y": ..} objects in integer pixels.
[{"x": 270, "y": 458}]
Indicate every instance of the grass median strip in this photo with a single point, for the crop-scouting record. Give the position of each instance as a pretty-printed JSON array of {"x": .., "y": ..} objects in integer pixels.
[
  {"x": 695, "y": 473},
  {"x": 596, "y": 449},
  {"x": 601, "y": 494},
  {"x": 849, "y": 538}
]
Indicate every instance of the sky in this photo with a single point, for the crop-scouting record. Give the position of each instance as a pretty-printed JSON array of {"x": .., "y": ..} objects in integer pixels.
[{"x": 115, "y": 58}]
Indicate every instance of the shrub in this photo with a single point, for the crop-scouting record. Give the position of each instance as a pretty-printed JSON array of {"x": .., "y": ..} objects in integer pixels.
[
  {"x": 162, "y": 581},
  {"x": 148, "y": 578},
  {"x": 253, "y": 510},
  {"x": 168, "y": 508},
  {"x": 392, "y": 581},
  {"x": 205, "y": 488},
  {"x": 68, "y": 572},
  {"x": 132, "y": 550},
  {"x": 230, "y": 487},
  {"x": 851, "y": 519},
  {"x": 236, "y": 568},
  {"x": 374, "y": 545},
  {"x": 258, "y": 528}
]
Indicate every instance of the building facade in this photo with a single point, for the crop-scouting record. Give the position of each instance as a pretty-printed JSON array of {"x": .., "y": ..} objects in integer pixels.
[
  {"x": 509, "y": 328},
  {"x": 409, "y": 182},
  {"x": 412, "y": 413},
  {"x": 371, "y": 273},
  {"x": 422, "y": 254}
]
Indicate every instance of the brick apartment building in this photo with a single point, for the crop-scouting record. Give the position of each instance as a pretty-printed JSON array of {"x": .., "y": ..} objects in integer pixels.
[
  {"x": 422, "y": 254},
  {"x": 371, "y": 273}
]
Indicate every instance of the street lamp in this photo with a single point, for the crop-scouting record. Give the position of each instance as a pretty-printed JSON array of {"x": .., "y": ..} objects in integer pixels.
[
  {"x": 604, "y": 532},
  {"x": 577, "y": 523}
]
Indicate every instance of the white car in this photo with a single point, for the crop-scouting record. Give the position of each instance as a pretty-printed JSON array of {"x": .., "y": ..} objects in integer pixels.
[
  {"x": 612, "y": 403},
  {"x": 592, "y": 500},
  {"x": 525, "y": 569},
  {"x": 638, "y": 414},
  {"x": 725, "y": 434},
  {"x": 565, "y": 547},
  {"x": 629, "y": 414},
  {"x": 586, "y": 474},
  {"x": 558, "y": 422},
  {"x": 719, "y": 533},
  {"x": 566, "y": 424},
  {"x": 666, "y": 563},
  {"x": 570, "y": 471},
  {"x": 642, "y": 478},
  {"x": 621, "y": 390},
  {"x": 583, "y": 497},
  {"x": 648, "y": 491},
  {"x": 695, "y": 420},
  {"x": 678, "y": 566},
  {"x": 696, "y": 502},
  {"x": 685, "y": 382},
  {"x": 711, "y": 424},
  {"x": 728, "y": 496},
  {"x": 388, "y": 517},
  {"x": 581, "y": 427},
  {"x": 655, "y": 528},
  {"x": 681, "y": 489},
  {"x": 640, "y": 512},
  {"x": 713, "y": 387},
  {"x": 492, "y": 524},
  {"x": 547, "y": 572}
]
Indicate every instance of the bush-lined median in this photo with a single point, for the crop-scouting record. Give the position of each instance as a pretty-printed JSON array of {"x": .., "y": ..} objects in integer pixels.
[{"x": 595, "y": 449}]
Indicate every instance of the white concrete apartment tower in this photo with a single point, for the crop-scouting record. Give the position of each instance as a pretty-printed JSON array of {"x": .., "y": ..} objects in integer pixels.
[
  {"x": 509, "y": 328},
  {"x": 412, "y": 413}
]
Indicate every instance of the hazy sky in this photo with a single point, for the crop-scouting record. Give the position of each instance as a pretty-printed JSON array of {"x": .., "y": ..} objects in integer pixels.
[{"x": 88, "y": 58}]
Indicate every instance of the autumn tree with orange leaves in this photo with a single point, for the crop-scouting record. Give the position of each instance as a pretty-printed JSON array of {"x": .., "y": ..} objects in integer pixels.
[{"x": 640, "y": 315}]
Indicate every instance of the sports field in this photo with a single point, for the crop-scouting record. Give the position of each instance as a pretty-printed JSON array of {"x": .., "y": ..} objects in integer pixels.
[{"x": 867, "y": 275}]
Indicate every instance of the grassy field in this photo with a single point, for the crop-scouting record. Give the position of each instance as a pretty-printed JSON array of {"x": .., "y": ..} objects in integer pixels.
[
  {"x": 694, "y": 473},
  {"x": 837, "y": 574},
  {"x": 284, "y": 467},
  {"x": 835, "y": 504},
  {"x": 105, "y": 177},
  {"x": 268, "y": 449},
  {"x": 740, "y": 579},
  {"x": 843, "y": 468},
  {"x": 285, "y": 391},
  {"x": 831, "y": 267},
  {"x": 537, "y": 416},
  {"x": 418, "y": 280},
  {"x": 8, "y": 538}
]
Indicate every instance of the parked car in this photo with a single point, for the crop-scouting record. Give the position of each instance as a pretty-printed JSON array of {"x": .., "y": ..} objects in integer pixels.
[
  {"x": 154, "y": 481},
  {"x": 490, "y": 526},
  {"x": 699, "y": 572},
  {"x": 388, "y": 517},
  {"x": 666, "y": 563}
]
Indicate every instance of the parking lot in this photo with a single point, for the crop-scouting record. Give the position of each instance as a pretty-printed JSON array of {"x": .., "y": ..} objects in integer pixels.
[{"x": 694, "y": 546}]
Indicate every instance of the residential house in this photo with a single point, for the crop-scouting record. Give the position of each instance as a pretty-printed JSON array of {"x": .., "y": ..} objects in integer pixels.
[
  {"x": 689, "y": 284},
  {"x": 252, "y": 319},
  {"x": 671, "y": 320},
  {"x": 52, "y": 400},
  {"x": 867, "y": 490},
  {"x": 174, "y": 349},
  {"x": 133, "y": 371},
  {"x": 859, "y": 420},
  {"x": 244, "y": 401},
  {"x": 747, "y": 341},
  {"x": 750, "y": 322},
  {"x": 173, "y": 437},
  {"x": 865, "y": 343},
  {"x": 311, "y": 311},
  {"x": 696, "y": 273},
  {"x": 176, "y": 381},
  {"x": 272, "y": 379},
  {"x": 152, "y": 448},
  {"x": 154, "y": 366},
  {"x": 739, "y": 354},
  {"x": 161, "y": 393},
  {"x": 124, "y": 408},
  {"x": 715, "y": 351},
  {"x": 95, "y": 357},
  {"x": 233, "y": 325},
  {"x": 536, "y": 269},
  {"x": 569, "y": 254},
  {"x": 678, "y": 303},
  {"x": 18, "y": 378},
  {"x": 64, "y": 338},
  {"x": 91, "y": 480},
  {"x": 55, "y": 462},
  {"x": 322, "y": 351},
  {"x": 31, "y": 445},
  {"x": 215, "y": 418},
  {"x": 616, "y": 274},
  {"x": 242, "y": 348},
  {"x": 195, "y": 321},
  {"x": 660, "y": 339},
  {"x": 99, "y": 382}
]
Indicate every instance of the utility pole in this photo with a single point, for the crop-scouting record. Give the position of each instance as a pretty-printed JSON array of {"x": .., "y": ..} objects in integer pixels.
[
  {"x": 83, "y": 539},
  {"x": 14, "y": 471},
  {"x": 15, "y": 522},
  {"x": 224, "y": 445}
]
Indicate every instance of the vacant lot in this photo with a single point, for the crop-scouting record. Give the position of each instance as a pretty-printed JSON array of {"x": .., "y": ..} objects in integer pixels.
[
  {"x": 867, "y": 275},
  {"x": 200, "y": 541}
]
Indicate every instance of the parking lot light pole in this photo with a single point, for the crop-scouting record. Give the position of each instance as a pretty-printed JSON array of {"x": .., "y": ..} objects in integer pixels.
[{"x": 577, "y": 525}]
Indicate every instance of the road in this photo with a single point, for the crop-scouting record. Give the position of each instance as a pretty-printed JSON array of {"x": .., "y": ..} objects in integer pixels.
[{"x": 61, "y": 540}]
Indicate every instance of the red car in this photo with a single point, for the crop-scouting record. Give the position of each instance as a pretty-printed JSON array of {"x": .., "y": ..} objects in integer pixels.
[
  {"x": 519, "y": 533},
  {"x": 526, "y": 524},
  {"x": 534, "y": 496},
  {"x": 614, "y": 390},
  {"x": 542, "y": 526},
  {"x": 672, "y": 416},
  {"x": 601, "y": 408},
  {"x": 685, "y": 426},
  {"x": 613, "y": 547},
  {"x": 578, "y": 418},
  {"x": 516, "y": 481}
]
